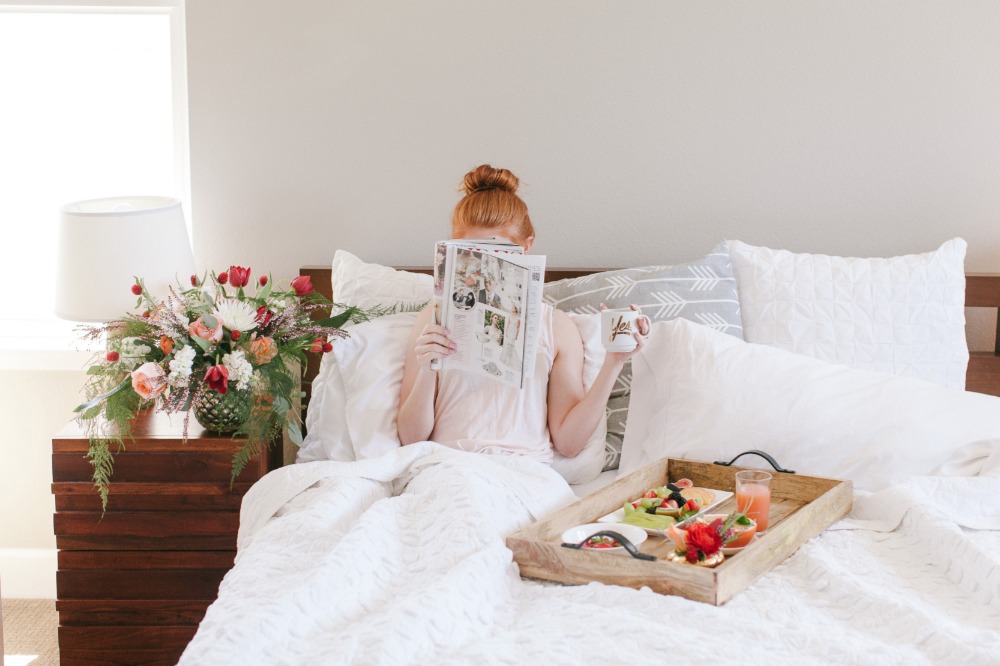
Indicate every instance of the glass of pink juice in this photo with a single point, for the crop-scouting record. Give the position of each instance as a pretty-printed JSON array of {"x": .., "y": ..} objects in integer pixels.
[{"x": 753, "y": 496}]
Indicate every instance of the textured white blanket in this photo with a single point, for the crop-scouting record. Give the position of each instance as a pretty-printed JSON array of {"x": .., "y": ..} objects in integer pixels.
[{"x": 401, "y": 560}]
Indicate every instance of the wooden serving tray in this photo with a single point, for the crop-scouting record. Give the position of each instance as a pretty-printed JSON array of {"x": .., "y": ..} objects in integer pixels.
[{"x": 801, "y": 508}]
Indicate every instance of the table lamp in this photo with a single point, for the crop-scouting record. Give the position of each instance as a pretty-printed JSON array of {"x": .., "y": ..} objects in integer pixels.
[{"x": 105, "y": 244}]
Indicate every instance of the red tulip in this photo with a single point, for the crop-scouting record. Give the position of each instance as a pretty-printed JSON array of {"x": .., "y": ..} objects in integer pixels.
[
  {"x": 223, "y": 277},
  {"x": 239, "y": 276},
  {"x": 194, "y": 280},
  {"x": 317, "y": 345},
  {"x": 302, "y": 285},
  {"x": 234, "y": 335},
  {"x": 217, "y": 378},
  {"x": 327, "y": 348},
  {"x": 137, "y": 289},
  {"x": 262, "y": 280},
  {"x": 112, "y": 356},
  {"x": 263, "y": 317}
]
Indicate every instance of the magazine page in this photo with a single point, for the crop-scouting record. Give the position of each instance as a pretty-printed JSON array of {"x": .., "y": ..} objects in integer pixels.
[{"x": 490, "y": 299}]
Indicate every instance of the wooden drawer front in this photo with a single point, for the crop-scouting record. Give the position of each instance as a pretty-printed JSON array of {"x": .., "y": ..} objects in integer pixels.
[
  {"x": 153, "y": 612},
  {"x": 107, "y": 645},
  {"x": 198, "y": 466},
  {"x": 82, "y": 496},
  {"x": 131, "y": 584},
  {"x": 145, "y": 560},
  {"x": 146, "y": 530},
  {"x": 162, "y": 657}
]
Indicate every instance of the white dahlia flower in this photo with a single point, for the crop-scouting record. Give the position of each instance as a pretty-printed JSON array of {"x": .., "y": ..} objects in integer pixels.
[{"x": 236, "y": 315}]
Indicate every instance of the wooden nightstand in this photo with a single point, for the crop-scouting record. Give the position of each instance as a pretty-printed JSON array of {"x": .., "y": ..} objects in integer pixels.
[{"x": 133, "y": 586}]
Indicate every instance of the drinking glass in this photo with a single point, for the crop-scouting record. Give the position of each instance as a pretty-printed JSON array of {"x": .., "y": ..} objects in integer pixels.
[{"x": 753, "y": 496}]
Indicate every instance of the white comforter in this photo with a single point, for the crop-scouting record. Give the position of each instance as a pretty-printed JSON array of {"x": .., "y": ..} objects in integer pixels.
[{"x": 401, "y": 559}]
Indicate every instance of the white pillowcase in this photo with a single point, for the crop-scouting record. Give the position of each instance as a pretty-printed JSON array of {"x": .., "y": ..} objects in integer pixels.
[
  {"x": 352, "y": 413},
  {"x": 902, "y": 315},
  {"x": 703, "y": 395},
  {"x": 366, "y": 285}
]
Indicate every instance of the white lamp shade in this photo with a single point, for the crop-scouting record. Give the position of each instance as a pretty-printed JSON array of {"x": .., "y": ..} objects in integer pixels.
[{"x": 105, "y": 244}]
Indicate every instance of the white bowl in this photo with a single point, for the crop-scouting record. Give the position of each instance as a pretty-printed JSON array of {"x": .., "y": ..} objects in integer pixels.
[{"x": 577, "y": 534}]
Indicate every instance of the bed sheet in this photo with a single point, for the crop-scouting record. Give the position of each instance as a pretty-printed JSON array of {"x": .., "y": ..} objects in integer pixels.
[{"x": 401, "y": 559}]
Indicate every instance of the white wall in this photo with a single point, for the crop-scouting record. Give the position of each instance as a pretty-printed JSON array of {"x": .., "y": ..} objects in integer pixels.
[
  {"x": 643, "y": 130},
  {"x": 34, "y": 405}
]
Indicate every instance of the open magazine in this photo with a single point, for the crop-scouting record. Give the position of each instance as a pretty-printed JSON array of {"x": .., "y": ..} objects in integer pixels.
[{"x": 488, "y": 293}]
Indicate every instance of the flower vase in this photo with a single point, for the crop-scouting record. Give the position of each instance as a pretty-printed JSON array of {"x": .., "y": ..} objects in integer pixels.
[{"x": 222, "y": 413}]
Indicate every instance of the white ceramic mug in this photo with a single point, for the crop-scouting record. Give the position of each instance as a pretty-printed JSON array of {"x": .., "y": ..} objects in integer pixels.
[{"x": 617, "y": 327}]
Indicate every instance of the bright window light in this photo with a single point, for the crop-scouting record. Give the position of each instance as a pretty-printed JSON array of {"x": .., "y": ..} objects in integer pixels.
[{"x": 88, "y": 112}]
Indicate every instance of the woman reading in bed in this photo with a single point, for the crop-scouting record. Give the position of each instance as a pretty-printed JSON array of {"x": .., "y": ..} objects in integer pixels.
[{"x": 472, "y": 413}]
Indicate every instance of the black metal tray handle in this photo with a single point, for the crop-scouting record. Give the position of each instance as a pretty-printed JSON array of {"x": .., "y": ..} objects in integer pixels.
[
  {"x": 617, "y": 536},
  {"x": 762, "y": 454}
]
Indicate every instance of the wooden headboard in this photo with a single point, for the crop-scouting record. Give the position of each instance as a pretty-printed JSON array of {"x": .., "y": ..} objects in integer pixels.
[{"x": 982, "y": 290}]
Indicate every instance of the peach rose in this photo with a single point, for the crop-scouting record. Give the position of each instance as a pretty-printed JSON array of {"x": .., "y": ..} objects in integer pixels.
[
  {"x": 166, "y": 344},
  {"x": 263, "y": 349},
  {"x": 198, "y": 329},
  {"x": 149, "y": 380}
]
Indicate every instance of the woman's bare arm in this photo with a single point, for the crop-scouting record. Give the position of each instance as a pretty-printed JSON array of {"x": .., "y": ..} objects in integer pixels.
[{"x": 573, "y": 413}]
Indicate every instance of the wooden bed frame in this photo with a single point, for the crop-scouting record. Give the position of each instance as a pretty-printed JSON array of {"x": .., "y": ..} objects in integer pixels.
[{"x": 982, "y": 290}]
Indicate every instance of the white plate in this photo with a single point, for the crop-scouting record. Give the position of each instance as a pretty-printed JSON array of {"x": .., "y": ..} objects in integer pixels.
[
  {"x": 619, "y": 515},
  {"x": 733, "y": 551},
  {"x": 580, "y": 532}
]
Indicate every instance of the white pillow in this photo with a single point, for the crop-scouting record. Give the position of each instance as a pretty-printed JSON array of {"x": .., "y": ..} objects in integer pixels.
[
  {"x": 352, "y": 413},
  {"x": 365, "y": 285},
  {"x": 588, "y": 463},
  {"x": 902, "y": 315},
  {"x": 703, "y": 395},
  {"x": 327, "y": 437}
]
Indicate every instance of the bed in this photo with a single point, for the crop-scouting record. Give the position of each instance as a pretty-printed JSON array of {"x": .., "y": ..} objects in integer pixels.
[{"x": 367, "y": 552}]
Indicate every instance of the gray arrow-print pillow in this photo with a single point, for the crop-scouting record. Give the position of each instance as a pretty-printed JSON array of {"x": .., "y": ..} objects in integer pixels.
[{"x": 703, "y": 291}]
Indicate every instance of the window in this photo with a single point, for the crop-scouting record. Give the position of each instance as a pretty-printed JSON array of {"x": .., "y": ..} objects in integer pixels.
[{"x": 95, "y": 106}]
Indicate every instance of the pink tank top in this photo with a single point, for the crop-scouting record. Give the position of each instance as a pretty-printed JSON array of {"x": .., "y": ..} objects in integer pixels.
[{"x": 479, "y": 414}]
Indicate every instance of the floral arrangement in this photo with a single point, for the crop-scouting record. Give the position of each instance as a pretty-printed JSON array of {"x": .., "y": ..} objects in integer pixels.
[
  {"x": 700, "y": 541},
  {"x": 211, "y": 342}
]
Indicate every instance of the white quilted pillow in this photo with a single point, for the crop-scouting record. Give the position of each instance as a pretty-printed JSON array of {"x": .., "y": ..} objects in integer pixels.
[
  {"x": 901, "y": 315},
  {"x": 366, "y": 285}
]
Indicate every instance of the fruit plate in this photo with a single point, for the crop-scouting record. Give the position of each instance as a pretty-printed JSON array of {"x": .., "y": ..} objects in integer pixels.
[
  {"x": 739, "y": 549},
  {"x": 618, "y": 514}
]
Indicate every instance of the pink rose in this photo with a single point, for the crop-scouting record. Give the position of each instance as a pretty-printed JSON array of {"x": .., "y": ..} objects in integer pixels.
[
  {"x": 198, "y": 329},
  {"x": 263, "y": 349},
  {"x": 302, "y": 285},
  {"x": 217, "y": 378},
  {"x": 149, "y": 380}
]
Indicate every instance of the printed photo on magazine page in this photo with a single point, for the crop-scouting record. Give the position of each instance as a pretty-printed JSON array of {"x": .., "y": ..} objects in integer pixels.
[{"x": 488, "y": 293}]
